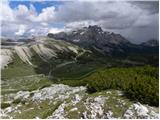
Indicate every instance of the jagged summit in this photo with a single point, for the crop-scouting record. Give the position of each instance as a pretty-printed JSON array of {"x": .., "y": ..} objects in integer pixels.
[
  {"x": 90, "y": 34},
  {"x": 93, "y": 36},
  {"x": 95, "y": 28}
]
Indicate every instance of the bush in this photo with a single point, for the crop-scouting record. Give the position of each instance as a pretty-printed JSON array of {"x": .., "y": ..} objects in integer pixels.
[
  {"x": 144, "y": 89},
  {"x": 139, "y": 83},
  {"x": 73, "y": 83},
  {"x": 5, "y": 105},
  {"x": 16, "y": 101}
]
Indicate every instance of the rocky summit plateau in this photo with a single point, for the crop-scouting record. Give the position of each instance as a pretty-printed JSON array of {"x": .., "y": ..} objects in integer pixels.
[{"x": 60, "y": 101}]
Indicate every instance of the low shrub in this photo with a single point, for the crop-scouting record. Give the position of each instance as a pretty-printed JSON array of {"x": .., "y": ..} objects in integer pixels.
[
  {"x": 16, "y": 101},
  {"x": 5, "y": 105},
  {"x": 139, "y": 83}
]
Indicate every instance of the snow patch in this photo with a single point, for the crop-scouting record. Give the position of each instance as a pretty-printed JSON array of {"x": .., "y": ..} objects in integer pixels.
[
  {"x": 82, "y": 33},
  {"x": 76, "y": 40}
]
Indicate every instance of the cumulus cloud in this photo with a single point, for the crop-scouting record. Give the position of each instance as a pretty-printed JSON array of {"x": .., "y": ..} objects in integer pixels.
[
  {"x": 6, "y": 13},
  {"x": 122, "y": 17},
  {"x": 22, "y": 30},
  {"x": 137, "y": 21},
  {"x": 23, "y": 20},
  {"x": 30, "y": 14},
  {"x": 47, "y": 14}
]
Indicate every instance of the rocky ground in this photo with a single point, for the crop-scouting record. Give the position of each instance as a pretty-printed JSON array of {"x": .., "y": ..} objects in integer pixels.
[{"x": 60, "y": 101}]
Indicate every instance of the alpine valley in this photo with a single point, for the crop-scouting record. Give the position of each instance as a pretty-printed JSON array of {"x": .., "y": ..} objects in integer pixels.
[{"x": 84, "y": 73}]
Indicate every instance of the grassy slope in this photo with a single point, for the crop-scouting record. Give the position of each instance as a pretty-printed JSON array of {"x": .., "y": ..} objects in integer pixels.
[
  {"x": 21, "y": 76},
  {"x": 28, "y": 83},
  {"x": 17, "y": 69},
  {"x": 84, "y": 66}
]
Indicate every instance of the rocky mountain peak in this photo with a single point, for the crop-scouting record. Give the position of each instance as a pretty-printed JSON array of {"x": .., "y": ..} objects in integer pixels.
[
  {"x": 92, "y": 36},
  {"x": 95, "y": 28}
]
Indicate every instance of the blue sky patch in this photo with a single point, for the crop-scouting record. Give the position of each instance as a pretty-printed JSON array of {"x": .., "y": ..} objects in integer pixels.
[{"x": 38, "y": 5}]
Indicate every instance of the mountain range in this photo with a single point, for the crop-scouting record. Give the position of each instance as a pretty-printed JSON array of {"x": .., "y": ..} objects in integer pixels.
[
  {"x": 106, "y": 42},
  {"x": 92, "y": 38}
]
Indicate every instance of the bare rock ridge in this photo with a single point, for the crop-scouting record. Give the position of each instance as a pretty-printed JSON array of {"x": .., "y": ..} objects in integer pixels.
[{"x": 45, "y": 49}]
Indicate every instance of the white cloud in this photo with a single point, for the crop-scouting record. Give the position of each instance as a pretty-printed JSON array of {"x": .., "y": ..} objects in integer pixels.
[
  {"x": 22, "y": 30},
  {"x": 21, "y": 20},
  {"x": 47, "y": 14},
  {"x": 30, "y": 14},
  {"x": 79, "y": 24},
  {"x": 32, "y": 30},
  {"x": 22, "y": 10},
  {"x": 44, "y": 24},
  {"x": 6, "y": 13},
  {"x": 121, "y": 17},
  {"x": 111, "y": 14},
  {"x": 55, "y": 30}
]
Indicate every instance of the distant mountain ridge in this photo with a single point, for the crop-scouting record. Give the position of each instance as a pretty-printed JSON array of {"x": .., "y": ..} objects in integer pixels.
[
  {"x": 150, "y": 43},
  {"x": 106, "y": 42}
]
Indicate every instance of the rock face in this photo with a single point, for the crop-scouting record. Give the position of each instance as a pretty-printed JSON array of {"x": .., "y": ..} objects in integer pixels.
[
  {"x": 90, "y": 35},
  {"x": 93, "y": 36}
]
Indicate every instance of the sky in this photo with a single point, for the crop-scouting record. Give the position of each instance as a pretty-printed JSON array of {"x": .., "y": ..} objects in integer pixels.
[{"x": 137, "y": 21}]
